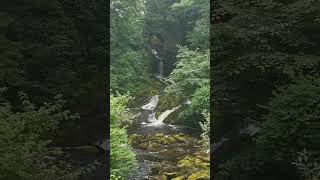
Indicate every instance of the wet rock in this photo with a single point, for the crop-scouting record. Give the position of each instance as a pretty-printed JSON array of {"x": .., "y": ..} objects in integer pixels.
[
  {"x": 154, "y": 147},
  {"x": 179, "y": 178},
  {"x": 169, "y": 169},
  {"x": 179, "y": 138},
  {"x": 165, "y": 163},
  {"x": 202, "y": 175},
  {"x": 160, "y": 177},
  {"x": 180, "y": 161},
  {"x": 194, "y": 166},
  {"x": 170, "y": 139},
  {"x": 171, "y": 175},
  {"x": 143, "y": 146},
  {"x": 135, "y": 140},
  {"x": 156, "y": 167},
  {"x": 204, "y": 158}
]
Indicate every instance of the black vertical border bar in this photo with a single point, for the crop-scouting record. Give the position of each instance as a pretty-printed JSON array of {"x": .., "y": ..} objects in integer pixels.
[
  {"x": 211, "y": 89},
  {"x": 108, "y": 89}
]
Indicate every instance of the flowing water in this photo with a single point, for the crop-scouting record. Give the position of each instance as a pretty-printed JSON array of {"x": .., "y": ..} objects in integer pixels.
[
  {"x": 148, "y": 128},
  {"x": 160, "y": 66},
  {"x": 159, "y": 147}
]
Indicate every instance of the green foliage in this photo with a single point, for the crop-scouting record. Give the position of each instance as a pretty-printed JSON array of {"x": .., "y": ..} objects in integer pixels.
[
  {"x": 308, "y": 165},
  {"x": 26, "y": 135},
  {"x": 258, "y": 46},
  {"x": 129, "y": 60},
  {"x": 205, "y": 126},
  {"x": 117, "y": 108},
  {"x": 242, "y": 165},
  {"x": 191, "y": 72},
  {"x": 201, "y": 99},
  {"x": 199, "y": 37},
  {"x": 130, "y": 66},
  {"x": 52, "y": 47},
  {"x": 122, "y": 159},
  {"x": 191, "y": 79},
  {"x": 292, "y": 122},
  {"x": 200, "y": 11}
]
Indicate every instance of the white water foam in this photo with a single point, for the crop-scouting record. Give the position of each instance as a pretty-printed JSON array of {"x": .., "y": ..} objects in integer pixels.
[
  {"x": 166, "y": 113},
  {"x": 152, "y": 104}
]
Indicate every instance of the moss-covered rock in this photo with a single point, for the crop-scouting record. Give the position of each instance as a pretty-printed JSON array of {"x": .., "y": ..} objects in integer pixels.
[
  {"x": 195, "y": 166},
  {"x": 171, "y": 175},
  {"x": 156, "y": 168},
  {"x": 149, "y": 89},
  {"x": 168, "y": 101},
  {"x": 159, "y": 177},
  {"x": 143, "y": 141},
  {"x": 200, "y": 175},
  {"x": 174, "y": 147},
  {"x": 179, "y": 138}
]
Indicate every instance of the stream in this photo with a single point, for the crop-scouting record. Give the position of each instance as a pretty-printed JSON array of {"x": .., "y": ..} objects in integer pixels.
[
  {"x": 164, "y": 151},
  {"x": 159, "y": 146}
]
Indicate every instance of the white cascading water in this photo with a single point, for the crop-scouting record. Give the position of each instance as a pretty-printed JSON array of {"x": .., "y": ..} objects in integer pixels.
[
  {"x": 155, "y": 53},
  {"x": 166, "y": 113},
  {"x": 152, "y": 118},
  {"x": 161, "y": 68},
  {"x": 155, "y": 99},
  {"x": 152, "y": 104}
]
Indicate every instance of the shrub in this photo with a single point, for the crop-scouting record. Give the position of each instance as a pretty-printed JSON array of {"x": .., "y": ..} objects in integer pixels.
[
  {"x": 122, "y": 159},
  {"x": 292, "y": 122},
  {"x": 205, "y": 126},
  {"x": 308, "y": 165},
  {"x": 25, "y": 137}
]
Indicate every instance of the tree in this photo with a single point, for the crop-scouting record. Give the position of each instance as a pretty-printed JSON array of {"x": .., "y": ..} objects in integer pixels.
[{"x": 26, "y": 138}]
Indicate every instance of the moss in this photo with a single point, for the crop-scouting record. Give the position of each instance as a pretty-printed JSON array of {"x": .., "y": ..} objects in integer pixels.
[
  {"x": 143, "y": 141},
  {"x": 149, "y": 89},
  {"x": 155, "y": 168},
  {"x": 201, "y": 175},
  {"x": 168, "y": 101},
  {"x": 180, "y": 177},
  {"x": 194, "y": 166},
  {"x": 179, "y": 138}
]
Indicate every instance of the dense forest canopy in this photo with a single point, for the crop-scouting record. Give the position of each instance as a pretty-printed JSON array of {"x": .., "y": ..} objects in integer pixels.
[
  {"x": 52, "y": 79},
  {"x": 265, "y": 65}
]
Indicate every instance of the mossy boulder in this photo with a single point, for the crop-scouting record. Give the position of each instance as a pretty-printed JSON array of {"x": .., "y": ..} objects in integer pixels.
[
  {"x": 159, "y": 177},
  {"x": 195, "y": 166},
  {"x": 154, "y": 140},
  {"x": 200, "y": 175},
  {"x": 168, "y": 101},
  {"x": 179, "y": 178},
  {"x": 171, "y": 139},
  {"x": 154, "y": 147},
  {"x": 169, "y": 169},
  {"x": 179, "y": 138},
  {"x": 171, "y": 175},
  {"x": 156, "y": 168}
]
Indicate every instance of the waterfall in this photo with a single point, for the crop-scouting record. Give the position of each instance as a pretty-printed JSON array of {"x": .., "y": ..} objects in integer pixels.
[
  {"x": 166, "y": 113},
  {"x": 149, "y": 107},
  {"x": 152, "y": 118},
  {"x": 160, "y": 66},
  {"x": 152, "y": 104}
]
